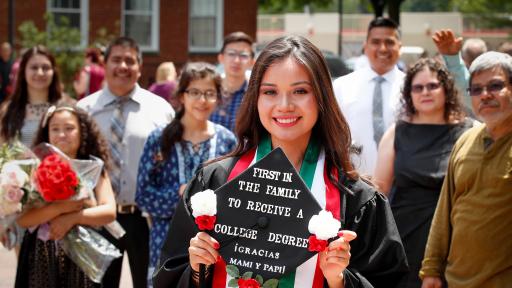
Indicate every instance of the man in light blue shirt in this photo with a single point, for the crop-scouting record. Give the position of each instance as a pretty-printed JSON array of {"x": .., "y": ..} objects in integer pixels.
[
  {"x": 142, "y": 112},
  {"x": 458, "y": 57}
]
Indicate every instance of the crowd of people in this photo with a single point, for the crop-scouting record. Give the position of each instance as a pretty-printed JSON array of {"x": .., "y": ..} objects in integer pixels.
[{"x": 419, "y": 160}]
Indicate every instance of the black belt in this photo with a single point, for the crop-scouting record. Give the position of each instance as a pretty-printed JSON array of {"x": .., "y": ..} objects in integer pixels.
[{"x": 127, "y": 209}]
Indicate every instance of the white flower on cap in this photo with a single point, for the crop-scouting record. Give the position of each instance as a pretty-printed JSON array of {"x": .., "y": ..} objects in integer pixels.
[
  {"x": 324, "y": 225},
  {"x": 204, "y": 203}
]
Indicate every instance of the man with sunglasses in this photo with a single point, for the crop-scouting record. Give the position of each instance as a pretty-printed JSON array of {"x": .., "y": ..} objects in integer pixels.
[
  {"x": 237, "y": 57},
  {"x": 470, "y": 243}
]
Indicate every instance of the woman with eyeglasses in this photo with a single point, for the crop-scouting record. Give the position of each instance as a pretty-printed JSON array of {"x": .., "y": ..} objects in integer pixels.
[
  {"x": 413, "y": 155},
  {"x": 172, "y": 155},
  {"x": 37, "y": 88}
]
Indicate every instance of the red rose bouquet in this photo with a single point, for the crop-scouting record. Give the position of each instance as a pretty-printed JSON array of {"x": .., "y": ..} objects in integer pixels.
[
  {"x": 55, "y": 179},
  {"x": 59, "y": 177}
]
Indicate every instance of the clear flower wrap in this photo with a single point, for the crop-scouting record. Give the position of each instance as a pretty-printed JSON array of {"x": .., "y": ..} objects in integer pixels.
[
  {"x": 90, "y": 251},
  {"x": 16, "y": 165},
  {"x": 83, "y": 245}
]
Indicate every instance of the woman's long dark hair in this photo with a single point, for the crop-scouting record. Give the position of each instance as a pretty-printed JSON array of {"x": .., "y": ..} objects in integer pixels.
[
  {"x": 331, "y": 128},
  {"x": 13, "y": 111},
  {"x": 452, "y": 107},
  {"x": 173, "y": 132},
  {"x": 92, "y": 141}
]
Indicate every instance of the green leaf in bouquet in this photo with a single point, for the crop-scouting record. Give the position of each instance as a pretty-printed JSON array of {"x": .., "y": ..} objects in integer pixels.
[
  {"x": 259, "y": 279},
  {"x": 247, "y": 275},
  {"x": 232, "y": 271},
  {"x": 271, "y": 283},
  {"x": 233, "y": 283}
]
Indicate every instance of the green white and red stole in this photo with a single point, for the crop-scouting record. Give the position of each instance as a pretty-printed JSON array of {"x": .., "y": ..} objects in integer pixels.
[{"x": 307, "y": 274}]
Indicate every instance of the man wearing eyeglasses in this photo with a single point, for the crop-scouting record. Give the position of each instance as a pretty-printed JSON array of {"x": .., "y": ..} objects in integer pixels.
[
  {"x": 469, "y": 244},
  {"x": 237, "y": 57}
]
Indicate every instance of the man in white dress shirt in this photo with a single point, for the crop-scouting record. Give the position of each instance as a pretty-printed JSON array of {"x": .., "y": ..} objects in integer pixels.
[{"x": 380, "y": 83}]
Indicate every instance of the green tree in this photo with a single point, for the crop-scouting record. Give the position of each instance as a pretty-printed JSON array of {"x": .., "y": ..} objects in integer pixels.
[
  {"x": 62, "y": 40},
  {"x": 279, "y": 6},
  {"x": 487, "y": 13},
  {"x": 427, "y": 6}
]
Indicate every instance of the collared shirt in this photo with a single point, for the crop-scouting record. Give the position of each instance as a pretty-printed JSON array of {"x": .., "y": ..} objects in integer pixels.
[
  {"x": 143, "y": 113},
  {"x": 354, "y": 93},
  {"x": 470, "y": 237},
  {"x": 226, "y": 111}
]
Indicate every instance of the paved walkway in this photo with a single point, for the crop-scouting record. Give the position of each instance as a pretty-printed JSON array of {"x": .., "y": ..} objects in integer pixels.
[{"x": 8, "y": 270}]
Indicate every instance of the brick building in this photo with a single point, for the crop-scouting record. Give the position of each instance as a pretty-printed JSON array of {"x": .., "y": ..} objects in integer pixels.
[{"x": 167, "y": 30}]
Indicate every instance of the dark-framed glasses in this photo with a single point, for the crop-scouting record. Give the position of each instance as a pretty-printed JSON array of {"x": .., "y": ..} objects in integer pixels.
[
  {"x": 196, "y": 94},
  {"x": 418, "y": 88},
  {"x": 493, "y": 87}
]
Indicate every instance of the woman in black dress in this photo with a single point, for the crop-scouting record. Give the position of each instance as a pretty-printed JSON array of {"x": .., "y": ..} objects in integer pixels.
[{"x": 413, "y": 155}]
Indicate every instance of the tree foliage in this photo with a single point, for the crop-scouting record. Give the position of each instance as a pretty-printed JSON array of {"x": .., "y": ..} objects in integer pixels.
[
  {"x": 280, "y": 6},
  {"x": 62, "y": 40},
  {"x": 487, "y": 13},
  {"x": 427, "y": 6}
]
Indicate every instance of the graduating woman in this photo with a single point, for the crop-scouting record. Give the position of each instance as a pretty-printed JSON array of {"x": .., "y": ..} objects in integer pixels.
[{"x": 290, "y": 104}]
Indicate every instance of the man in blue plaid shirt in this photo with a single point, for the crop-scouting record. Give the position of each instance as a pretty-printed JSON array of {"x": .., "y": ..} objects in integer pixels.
[{"x": 237, "y": 57}]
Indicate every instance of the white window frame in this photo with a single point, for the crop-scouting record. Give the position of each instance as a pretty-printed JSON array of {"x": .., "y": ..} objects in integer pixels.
[
  {"x": 84, "y": 18},
  {"x": 219, "y": 26},
  {"x": 155, "y": 25}
]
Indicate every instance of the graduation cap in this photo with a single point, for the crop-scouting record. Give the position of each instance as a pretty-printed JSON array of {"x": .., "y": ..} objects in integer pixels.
[{"x": 262, "y": 218}]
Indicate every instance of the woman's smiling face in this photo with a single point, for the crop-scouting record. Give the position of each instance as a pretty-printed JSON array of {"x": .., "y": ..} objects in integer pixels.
[{"x": 287, "y": 105}]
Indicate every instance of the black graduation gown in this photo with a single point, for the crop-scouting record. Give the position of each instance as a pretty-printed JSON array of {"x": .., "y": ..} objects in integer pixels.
[{"x": 377, "y": 256}]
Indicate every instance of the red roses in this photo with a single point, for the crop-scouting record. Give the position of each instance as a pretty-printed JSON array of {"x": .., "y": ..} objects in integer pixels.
[
  {"x": 316, "y": 245},
  {"x": 248, "y": 283},
  {"x": 205, "y": 222},
  {"x": 56, "y": 179}
]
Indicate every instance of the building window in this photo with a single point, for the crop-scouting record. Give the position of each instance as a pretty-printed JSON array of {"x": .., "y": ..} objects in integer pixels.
[
  {"x": 76, "y": 11},
  {"x": 141, "y": 22},
  {"x": 205, "y": 25}
]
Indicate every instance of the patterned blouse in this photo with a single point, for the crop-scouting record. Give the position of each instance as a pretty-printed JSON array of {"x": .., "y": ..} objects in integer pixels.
[
  {"x": 158, "y": 181},
  {"x": 33, "y": 115}
]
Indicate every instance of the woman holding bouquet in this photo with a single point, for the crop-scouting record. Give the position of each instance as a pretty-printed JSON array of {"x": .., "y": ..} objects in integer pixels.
[
  {"x": 37, "y": 88},
  {"x": 172, "y": 154},
  {"x": 43, "y": 263},
  {"x": 290, "y": 104}
]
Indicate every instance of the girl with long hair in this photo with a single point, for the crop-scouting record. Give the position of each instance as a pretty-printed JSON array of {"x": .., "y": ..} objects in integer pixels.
[
  {"x": 290, "y": 104},
  {"x": 43, "y": 263},
  {"x": 172, "y": 155}
]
